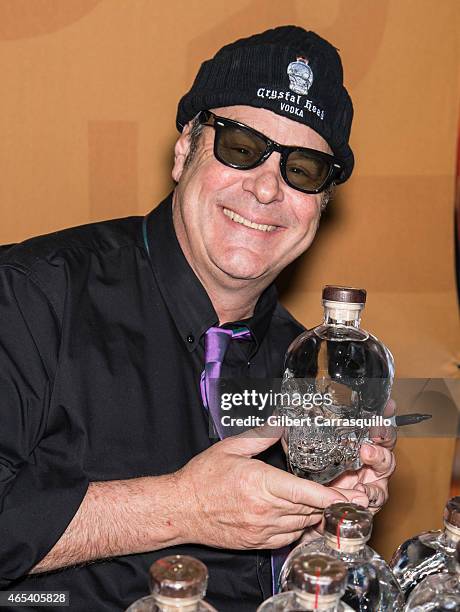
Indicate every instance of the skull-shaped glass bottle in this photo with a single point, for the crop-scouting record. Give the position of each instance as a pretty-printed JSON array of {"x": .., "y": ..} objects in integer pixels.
[
  {"x": 349, "y": 373},
  {"x": 439, "y": 592},
  {"x": 177, "y": 584},
  {"x": 315, "y": 582},
  {"x": 431, "y": 552},
  {"x": 371, "y": 586}
]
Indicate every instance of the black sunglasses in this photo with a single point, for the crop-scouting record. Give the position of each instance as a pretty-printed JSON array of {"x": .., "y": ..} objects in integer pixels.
[{"x": 239, "y": 146}]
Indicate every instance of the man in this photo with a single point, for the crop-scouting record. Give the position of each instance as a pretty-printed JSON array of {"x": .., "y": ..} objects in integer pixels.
[{"x": 106, "y": 460}]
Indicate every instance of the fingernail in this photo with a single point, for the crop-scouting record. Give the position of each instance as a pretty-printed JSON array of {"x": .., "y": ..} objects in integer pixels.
[
  {"x": 359, "y": 500},
  {"x": 360, "y": 487}
]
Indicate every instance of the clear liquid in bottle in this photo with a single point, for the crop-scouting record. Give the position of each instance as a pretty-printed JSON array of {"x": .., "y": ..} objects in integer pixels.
[
  {"x": 177, "y": 584},
  {"x": 438, "y": 592},
  {"x": 314, "y": 582},
  {"x": 370, "y": 586},
  {"x": 352, "y": 371},
  {"x": 428, "y": 553}
]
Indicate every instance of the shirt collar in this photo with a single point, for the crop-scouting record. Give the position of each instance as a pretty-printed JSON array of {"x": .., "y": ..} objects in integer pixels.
[{"x": 185, "y": 296}]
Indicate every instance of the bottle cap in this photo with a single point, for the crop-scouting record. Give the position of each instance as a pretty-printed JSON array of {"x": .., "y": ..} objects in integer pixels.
[
  {"x": 347, "y": 520},
  {"x": 317, "y": 574},
  {"x": 452, "y": 511},
  {"x": 350, "y": 295},
  {"x": 178, "y": 577}
]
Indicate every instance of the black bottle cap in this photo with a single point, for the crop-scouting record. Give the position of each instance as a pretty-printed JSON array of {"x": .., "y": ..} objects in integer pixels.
[
  {"x": 452, "y": 511},
  {"x": 350, "y": 295}
]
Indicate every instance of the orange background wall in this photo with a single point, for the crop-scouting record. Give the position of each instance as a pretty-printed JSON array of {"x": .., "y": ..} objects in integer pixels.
[{"x": 88, "y": 100}]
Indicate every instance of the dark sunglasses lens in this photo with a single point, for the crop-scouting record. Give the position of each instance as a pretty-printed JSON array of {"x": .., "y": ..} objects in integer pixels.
[
  {"x": 239, "y": 147},
  {"x": 305, "y": 171}
]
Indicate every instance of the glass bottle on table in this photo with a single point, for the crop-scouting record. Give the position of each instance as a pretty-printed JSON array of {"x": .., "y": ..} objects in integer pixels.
[
  {"x": 371, "y": 586},
  {"x": 177, "y": 584},
  {"x": 352, "y": 371},
  {"x": 315, "y": 582},
  {"x": 430, "y": 552},
  {"x": 438, "y": 592}
]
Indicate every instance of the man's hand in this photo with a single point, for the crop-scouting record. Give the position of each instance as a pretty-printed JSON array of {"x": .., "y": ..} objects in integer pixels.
[
  {"x": 234, "y": 501},
  {"x": 378, "y": 465},
  {"x": 385, "y": 436},
  {"x": 372, "y": 479}
]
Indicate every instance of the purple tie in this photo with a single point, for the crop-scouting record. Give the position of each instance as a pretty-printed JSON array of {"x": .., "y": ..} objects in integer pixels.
[{"x": 216, "y": 343}]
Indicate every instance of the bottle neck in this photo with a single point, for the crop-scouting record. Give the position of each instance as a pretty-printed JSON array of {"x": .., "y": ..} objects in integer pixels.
[
  {"x": 171, "y": 604},
  {"x": 351, "y": 547},
  {"x": 451, "y": 535},
  {"x": 342, "y": 313},
  {"x": 312, "y": 603}
]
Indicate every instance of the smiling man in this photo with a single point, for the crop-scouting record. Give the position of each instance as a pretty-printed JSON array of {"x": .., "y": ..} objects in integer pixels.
[
  {"x": 237, "y": 227},
  {"x": 106, "y": 340}
]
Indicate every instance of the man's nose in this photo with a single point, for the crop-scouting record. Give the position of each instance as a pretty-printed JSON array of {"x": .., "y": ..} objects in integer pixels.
[{"x": 265, "y": 181}]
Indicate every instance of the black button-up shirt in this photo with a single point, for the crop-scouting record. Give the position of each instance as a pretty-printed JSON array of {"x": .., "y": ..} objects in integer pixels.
[{"x": 101, "y": 350}]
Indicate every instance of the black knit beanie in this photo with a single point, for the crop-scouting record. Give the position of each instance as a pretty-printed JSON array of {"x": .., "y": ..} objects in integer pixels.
[{"x": 292, "y": 72}]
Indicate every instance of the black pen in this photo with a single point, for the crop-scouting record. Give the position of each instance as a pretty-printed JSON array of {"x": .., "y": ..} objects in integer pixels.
[{"x": 409, "y": 419}]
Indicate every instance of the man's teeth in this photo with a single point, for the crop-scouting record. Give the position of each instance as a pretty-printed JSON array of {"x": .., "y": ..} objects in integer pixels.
[{"x": 238, "y": 219}]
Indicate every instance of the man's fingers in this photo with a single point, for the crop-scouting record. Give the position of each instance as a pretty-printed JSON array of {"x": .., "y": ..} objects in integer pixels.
[
  {"x": 300, "y": 509},
  {"x": 380, "y": 459},
  {"x": 284, "y": 445},
  {"x": 288, "y": 524},
  {"x": 279, "y": 541},
  {"x": 377, "y": 495},
  {"x": 385, "y": 436},
  {"x": 354, "y": 495},
  {"x": 312, "y": 533},
  {"x": 253, "y": 441},
  {"x": 304, "y": 492}
]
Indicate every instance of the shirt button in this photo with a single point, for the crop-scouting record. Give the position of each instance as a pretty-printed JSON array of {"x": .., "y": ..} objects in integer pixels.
[{"x": 190, "y": 338}]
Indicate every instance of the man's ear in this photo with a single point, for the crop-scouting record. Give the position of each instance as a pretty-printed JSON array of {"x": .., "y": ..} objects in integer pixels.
[{"x": 181, "y": 150}]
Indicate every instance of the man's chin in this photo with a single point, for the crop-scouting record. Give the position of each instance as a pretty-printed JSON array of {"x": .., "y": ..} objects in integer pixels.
[{"x": 243, "y": 269}]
